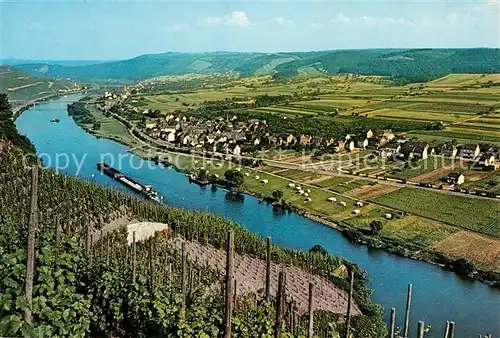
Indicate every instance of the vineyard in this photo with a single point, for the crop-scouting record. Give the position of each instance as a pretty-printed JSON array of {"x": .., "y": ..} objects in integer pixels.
[{"x": 88, "y": 280}]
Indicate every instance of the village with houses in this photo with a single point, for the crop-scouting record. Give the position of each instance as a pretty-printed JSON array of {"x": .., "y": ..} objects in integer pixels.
[{"x": 234, "y": 138}]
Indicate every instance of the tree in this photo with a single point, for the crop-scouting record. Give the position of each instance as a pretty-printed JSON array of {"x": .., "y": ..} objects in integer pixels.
[
  {"x": 319, "y": 250},
  {"x": 463, "y": 266},
  {"x": 202, "y": 175},
  {"x": 234, "y": 177},
  {"x": 277, "y": 195},
  {"x": 376, "y": 226},
  {"x": 5, "y": 108},
  {"x": 8, "y": 129}
]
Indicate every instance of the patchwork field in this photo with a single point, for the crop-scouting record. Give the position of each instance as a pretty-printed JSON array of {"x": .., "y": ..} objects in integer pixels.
[
  {"x": 425, "y": 170},
  {"x": 483, "y": 251},
  {"x": 474, "y": 214},
  {"x": 466, "y": 104}
]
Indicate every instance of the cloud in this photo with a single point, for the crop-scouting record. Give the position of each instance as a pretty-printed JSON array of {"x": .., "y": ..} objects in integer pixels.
[
  {"x": 488, "y": 6},
  {"x": 365, "y": 19},
  {"x": 238, "y": 19},
  {"x": 235, "y": 19},
  {"x": 316, "y": 25},
  {"x": 178, "y": 27},
  {"x": 340, "y": 17},
  {"x": 284, "y": 22}
]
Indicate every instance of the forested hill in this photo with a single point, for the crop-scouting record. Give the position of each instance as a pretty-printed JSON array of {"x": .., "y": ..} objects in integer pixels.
[{"x": 402, "y": 64}]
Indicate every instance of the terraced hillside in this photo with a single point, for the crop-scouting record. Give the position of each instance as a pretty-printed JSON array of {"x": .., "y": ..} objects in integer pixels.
[
  {"x": 21, "y": 86},
  {"x": 404, "y": 65}
]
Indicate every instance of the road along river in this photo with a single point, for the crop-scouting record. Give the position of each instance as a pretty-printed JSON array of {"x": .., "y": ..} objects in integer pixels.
[{"x": 438, "y": 295}]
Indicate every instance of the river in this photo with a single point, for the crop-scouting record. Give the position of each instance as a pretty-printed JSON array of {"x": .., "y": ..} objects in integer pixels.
[{"x": 438, "y": 295}]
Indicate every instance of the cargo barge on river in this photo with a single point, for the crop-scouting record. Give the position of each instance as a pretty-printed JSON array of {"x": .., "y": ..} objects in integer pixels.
[{"x": 145, "y": 190}]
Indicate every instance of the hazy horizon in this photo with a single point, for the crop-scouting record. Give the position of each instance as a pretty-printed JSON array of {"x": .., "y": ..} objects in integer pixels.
[
  {"x": 109, "y": 31},
  {"x": 229, "y": 51}
]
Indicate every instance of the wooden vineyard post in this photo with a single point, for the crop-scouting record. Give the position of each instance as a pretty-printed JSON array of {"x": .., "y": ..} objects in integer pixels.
[
  {"x": 349, "y": 304},
  {"x": 407, "y": 313},
  {"x": 280, "y": 298},
  {"x": 134, "y": 257},
  {"x": 183, "y": 277},
  {"x": 452, "y": 330},
  {"x": 101, "y": 245},
  {"x": 58, "y": 231},
  {"x": 235, "y": 291},
  {"x": 268, "y": 268},
  {"x": 290, "y": 316},
  {"x": 91, "y": 249},
  {"x": 33, "y": 223},
  {"x": 229, "y": 284},
  {"x": 392, "y": 324},
  {"x": 87, "y": 239},
  {"x": 447, "y": 329},
  {"x": 421, "y": 329},
  {"x": 152, "y": 268},
  {"x": 107, "y": 249},
  {"x": 310, "y": 326}
]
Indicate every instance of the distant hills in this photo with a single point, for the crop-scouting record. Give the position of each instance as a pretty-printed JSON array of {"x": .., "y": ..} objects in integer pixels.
[
  {"x": 405, "y": 65},
  {"x": 21, "y": 86}
]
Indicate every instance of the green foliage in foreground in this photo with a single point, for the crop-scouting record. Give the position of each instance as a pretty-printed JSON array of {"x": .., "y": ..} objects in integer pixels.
[
  {"x": 79, "y": 294},
  {"x": 8, "y": 129}
]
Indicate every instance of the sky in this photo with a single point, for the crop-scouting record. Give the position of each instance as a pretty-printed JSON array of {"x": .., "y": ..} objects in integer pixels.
[{"x": 112, "y": 30}]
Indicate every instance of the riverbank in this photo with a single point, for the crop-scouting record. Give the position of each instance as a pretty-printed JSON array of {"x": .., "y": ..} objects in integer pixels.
[
  {"x": 461, "y": 265},
  {"x": 472, "y": 305}
]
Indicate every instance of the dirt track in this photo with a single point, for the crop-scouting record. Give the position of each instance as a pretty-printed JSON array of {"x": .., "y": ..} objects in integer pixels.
[{"x": 370, "y": 191}]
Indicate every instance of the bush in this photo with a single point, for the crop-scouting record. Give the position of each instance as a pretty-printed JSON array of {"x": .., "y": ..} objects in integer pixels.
[
  {"x": 376, "y": 226},
  {"x": 318, "y": 249}
]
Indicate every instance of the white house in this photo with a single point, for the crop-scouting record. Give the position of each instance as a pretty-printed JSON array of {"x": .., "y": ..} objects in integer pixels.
[
  {"x": 236, "y": 150},
  {"x": 171, "y": 137}
]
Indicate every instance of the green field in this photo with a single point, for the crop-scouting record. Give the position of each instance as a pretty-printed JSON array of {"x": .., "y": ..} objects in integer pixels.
[
  {"x": 452, "y": 101},
  {"x": 491, "y": 183},
  {"x": 112, "y": 128},
  {"x": 469, "y": 213},
  {"x": 408, "y": 229}
]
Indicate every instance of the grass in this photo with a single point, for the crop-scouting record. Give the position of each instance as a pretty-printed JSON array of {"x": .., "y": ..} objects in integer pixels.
[
  {"x": 332, "y": 181},
  {"x": 469, "y": 213},
  {"x": 409, "y": 229},
  {"x": 113, "y": 129},
  {"x": 318, "y": 205},
  {"x": 490, "y": 183},
  {"x": 446, "y": 136}
]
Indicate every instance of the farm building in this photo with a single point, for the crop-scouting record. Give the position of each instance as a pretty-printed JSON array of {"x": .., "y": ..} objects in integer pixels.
[
  {"x": 447, "y": 149},
  {"x": 484, "y": 162},
  {"x": 470, "y": 151},
  {"x": 415, "y": 150},
  {"x": 454, "y": 178}
]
